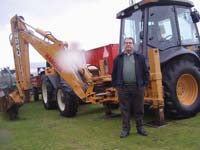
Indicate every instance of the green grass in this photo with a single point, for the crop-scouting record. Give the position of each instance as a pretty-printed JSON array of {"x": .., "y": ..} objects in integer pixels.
[{"x": 39, "y": 129}]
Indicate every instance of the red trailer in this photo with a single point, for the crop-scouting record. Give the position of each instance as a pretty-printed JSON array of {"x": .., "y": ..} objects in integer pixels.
[{"x": 108, "y": 52}]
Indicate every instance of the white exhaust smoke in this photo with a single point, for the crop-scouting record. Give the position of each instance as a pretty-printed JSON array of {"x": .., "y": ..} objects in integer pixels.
[{"x": 71, "y": 59}]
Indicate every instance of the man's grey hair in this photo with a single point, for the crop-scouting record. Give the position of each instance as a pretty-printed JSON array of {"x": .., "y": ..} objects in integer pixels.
[{"x": 130, "y": 38}]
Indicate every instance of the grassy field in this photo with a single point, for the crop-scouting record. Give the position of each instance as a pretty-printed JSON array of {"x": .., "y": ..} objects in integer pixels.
[{"x": 39, "y": 129}]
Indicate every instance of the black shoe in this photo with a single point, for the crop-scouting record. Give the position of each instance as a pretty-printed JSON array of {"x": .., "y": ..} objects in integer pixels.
[
  {"x": 124, "y": 134},
  {"x": 142, "y": 132}
]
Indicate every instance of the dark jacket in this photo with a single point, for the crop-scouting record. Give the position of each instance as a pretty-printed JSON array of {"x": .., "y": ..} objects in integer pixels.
[{"x": 141, "y": 70}]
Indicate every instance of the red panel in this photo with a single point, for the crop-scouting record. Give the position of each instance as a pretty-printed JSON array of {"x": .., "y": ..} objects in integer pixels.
[{"x": 93, "y": 56}]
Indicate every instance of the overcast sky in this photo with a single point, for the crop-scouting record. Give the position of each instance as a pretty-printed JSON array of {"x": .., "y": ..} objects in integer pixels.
[{"x": 92, "y": 23}]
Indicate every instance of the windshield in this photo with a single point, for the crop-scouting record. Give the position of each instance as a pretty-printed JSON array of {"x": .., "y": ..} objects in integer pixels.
[
  {"x": 132, "y": 27},
  {"x": 162, "y": 31},
  {"x": 188, "y": 31}
]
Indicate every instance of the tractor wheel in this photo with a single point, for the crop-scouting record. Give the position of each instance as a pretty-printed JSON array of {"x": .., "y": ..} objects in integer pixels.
[
  {"x": 67, "y": 101},
  {"x": 48, "y": 94},
  {"x": 35, "y": 94},
  {"x": 181, "y": 80}
]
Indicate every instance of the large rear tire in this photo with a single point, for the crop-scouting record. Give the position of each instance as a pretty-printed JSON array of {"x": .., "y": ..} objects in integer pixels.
[
  {"x": 181, "y": 80},
  {"x": 48, "y": 94},
  {"x": 67, "y": 101}
]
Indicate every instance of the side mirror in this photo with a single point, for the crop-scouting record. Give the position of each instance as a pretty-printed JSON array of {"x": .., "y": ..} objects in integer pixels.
[{"x": 195, "y": 16}]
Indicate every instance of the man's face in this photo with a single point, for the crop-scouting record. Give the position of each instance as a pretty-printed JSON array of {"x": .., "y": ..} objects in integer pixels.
[{"x": 128, "y": 45}]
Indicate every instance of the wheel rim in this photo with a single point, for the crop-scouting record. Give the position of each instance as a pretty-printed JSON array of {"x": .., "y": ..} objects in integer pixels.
[
  {"x": 61, "y": 104},
  {"x": 44, "y": 92},
  {"x": 187, "y": 89}
]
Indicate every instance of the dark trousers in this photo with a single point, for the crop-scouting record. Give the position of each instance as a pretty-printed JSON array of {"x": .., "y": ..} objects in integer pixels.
[{"x": 131, "y": 99}]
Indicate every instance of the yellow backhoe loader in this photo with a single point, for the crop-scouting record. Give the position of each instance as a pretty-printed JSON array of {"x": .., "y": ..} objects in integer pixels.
[
  {"x": 60, "y": 85},
  {"x": 63, "y": 87}
]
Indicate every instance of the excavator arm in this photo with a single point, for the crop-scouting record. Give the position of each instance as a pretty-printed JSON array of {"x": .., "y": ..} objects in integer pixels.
[
  {"x": 21, "y": 58},
  {"x": 80, "y": 80},
  {"x": 48, "y": 48}
]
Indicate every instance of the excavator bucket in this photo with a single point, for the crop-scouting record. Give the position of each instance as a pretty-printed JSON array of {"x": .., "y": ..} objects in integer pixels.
[{"x": 10, "y": 103}]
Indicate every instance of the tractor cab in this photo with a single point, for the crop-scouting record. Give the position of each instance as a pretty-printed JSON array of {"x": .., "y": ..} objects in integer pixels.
[
  {"x": 170, "y": 27},
  {"x": 163, "y": 24}
]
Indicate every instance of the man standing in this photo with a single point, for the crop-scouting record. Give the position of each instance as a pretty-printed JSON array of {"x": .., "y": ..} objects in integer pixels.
[{"x": 130, "y": 75}]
